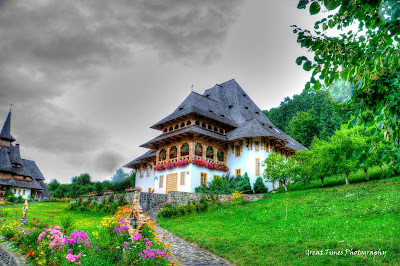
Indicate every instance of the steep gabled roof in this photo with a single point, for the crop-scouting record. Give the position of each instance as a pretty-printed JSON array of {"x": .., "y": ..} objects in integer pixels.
[
  {"x": 201, "y": 105},
  {"x": 14, "y": 155},
  {"x": 250, "y": 120},
  {"x": 6, "y": 130},
  {"x": 5, "y": 164},
  {"x": 33, "y": 169}
]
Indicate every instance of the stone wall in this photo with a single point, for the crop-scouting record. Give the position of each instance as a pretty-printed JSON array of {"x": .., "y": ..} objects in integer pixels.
[
  {"x": 151, "y": 202},
  {"x": 7, "y": 258},
  {"x": 182, "y": 198}
]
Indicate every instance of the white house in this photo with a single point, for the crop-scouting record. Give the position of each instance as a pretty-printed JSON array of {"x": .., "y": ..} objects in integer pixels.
[{"x": 222, "y": 131}]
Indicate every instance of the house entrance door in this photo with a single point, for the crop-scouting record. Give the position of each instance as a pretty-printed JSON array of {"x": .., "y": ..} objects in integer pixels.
[{"x": 172, "y": 182}]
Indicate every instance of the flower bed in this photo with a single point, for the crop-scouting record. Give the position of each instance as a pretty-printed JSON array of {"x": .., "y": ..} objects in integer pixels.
[
  {"x": 51, "y": 244},
  {"x": 132, "y": 189},
  {"x": 198, "y": 162},
  {"x": 209, "y": 165}
]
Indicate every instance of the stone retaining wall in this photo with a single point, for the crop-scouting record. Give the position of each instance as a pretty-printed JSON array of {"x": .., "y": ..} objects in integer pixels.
[
  {"x": 151, "y": 202},
  {"x": 6, "y": 258},
  {"x": 182, "y": 198}
]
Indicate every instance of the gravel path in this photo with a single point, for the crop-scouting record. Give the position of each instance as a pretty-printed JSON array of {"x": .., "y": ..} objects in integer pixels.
[{"x": 189, "y": 253}]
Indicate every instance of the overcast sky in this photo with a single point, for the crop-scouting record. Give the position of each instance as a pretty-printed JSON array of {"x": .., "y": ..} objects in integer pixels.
[{"x": 88, "y": 78}]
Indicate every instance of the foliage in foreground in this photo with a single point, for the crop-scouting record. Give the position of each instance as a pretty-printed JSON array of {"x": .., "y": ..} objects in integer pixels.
[
  {"x": 360, "y": 66},
  {"x": 45, "y": 243},
  {"x": 227, "y": 184},
  {"x": 362, "y": 216}
]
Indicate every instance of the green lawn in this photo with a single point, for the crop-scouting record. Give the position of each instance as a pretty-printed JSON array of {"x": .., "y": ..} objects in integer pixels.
[
  {"x": 360, "y": 216},
  {"x": 41, "y": 210}
]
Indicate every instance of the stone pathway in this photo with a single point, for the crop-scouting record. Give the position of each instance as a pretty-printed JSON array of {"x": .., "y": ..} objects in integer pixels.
[{"x": 189, "y": 253}]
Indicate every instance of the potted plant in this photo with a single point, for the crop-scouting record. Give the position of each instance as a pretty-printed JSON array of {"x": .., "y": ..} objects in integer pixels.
[{"x": 220, "y": 155}]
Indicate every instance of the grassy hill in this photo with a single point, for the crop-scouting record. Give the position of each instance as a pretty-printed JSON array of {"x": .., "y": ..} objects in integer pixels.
[{"x": 360, "y": 216}]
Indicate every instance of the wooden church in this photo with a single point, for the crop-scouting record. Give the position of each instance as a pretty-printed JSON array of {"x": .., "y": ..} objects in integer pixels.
[
  {"x": 209, "y": 135},
  {"x": 21, "y": 176}
]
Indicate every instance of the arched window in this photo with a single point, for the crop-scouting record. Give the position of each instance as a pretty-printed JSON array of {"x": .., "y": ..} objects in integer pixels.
[
  {"x": 176, "y": 126},
  {"x": 209, "y": 127},
  {"x": 215, "y": 129},
  {"x": 183, "y": 124},
  {"x": 221, "y": 131},
  {"x": 171, "y": 128},
  {"x": 23, "y": 192},
  {"x": 203, "y": 125},
  {"x": 165, "y": 130},
  {"x": 210, "y": 152},
  {"x": 163, "y": 155},
  {"x": 184, "y": 149},
  {"x": 198, "y": 149},
  {"x": 188, "y": 123},
  {"x": 173, "y": 152},
  {"x": 220, "y": 155},
  {"x": 197, "y": 123}
]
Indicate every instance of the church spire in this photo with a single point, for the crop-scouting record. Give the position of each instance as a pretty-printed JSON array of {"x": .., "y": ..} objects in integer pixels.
[{"x": 5, "y": 133}]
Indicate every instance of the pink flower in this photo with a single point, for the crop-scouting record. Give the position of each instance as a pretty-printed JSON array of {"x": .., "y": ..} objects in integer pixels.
[{"x": 126, "y": 243}]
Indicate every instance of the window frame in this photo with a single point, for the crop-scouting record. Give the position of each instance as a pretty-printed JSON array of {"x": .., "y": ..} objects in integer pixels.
[
  {"x": 161, "y": 181},
  {"x": 237, "y": 151},
  {"x": 216, "y": 176},
  {"x": 238, "y": 171},
  {"x": 258, "y": 167},
  {"x": 183, "y": 174},
  {"x": 201, "y": 178}
]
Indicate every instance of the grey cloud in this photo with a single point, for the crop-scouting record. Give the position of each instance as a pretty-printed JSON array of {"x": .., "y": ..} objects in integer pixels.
[
  {"x": 52, "y": 129},
  {"x": 107, "y": 161}
]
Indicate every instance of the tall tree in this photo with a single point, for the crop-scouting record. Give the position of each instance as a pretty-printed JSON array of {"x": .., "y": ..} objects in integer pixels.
[
  {"x": 303, "y": 127},
  {"x": 277, "y": 168},
  {"x": 360, "y": 66}
]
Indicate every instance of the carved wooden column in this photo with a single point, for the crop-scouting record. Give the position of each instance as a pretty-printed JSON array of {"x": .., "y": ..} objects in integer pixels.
[
  {"x": 215, "y": 154},
  {"x": 192, "y": 150},
  {"x": 167, "y": 155},
  {"x": 157, "y": 156},
  {"x": 204, "y": 147},
  {"x": 178, "y": 147}
]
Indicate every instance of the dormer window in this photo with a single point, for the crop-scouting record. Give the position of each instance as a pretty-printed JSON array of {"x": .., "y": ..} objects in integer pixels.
[
  {"x": 209, "y": 127},
  {"x": 180, "y": 109},
  {"x": 257, "y": 113},
  {"x": 247, "y": 108},
  {"x": 176, "y": 126},
  {"x": 210, "y": 111},
  {"x": 222, "y": 115},
  {"x": 207, "y": 95},
  {"x": 244, "y": 95},
  {"x": 230, "y": 106},
  {"x": 183, "y": 124}
]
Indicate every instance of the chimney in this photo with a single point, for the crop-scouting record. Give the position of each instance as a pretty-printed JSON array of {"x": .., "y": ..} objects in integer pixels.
[{"x": 17, "y": 145}]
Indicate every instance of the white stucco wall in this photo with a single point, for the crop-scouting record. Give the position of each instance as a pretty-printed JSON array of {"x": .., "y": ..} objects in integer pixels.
[
  {"x": 192, "y": 179},
  {"x": 246, "y": 162},
  {"x": 19, "y": 192}
]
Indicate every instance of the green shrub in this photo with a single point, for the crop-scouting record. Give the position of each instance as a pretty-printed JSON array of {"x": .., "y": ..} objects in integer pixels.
[
  {"x": 227, "y": 185},
  {"x": 66, "y": 223},
  {"x": 121, "y": 200},
  {"x": 110, "y": 199},
  {"x": 259, "y": 186},
  {"x": 73, "y": 205}
]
